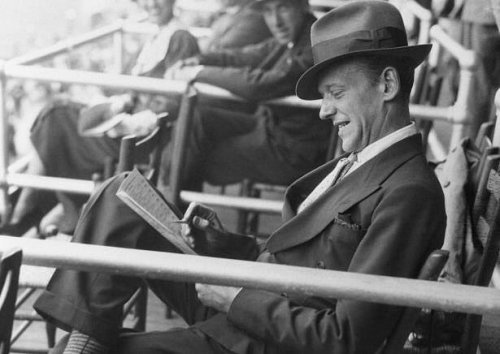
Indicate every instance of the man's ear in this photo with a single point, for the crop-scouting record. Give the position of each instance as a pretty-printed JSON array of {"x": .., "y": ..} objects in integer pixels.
[{"x": 392, "y": 84}]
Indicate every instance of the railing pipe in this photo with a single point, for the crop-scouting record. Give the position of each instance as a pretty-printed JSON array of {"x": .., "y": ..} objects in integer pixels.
[
  {"x": 180, "y": 145},
  {"x": 241, "y": 203},
  {"x": 66, "y": 45},
  {"x": 59, "y": 184},
  {"x": 418, "y": 10},
  {"x": 153, "y": 85},
  {"x": 150, "y": 29},
  {"x": 5, "y": 206},
  {"x": 272, "y": 277},
  {"x": 467, "y": 58},
  {"x": 118, "y": 45},
  {"x": 113, "y": 81},
  {"x": 496, "y": 134}
]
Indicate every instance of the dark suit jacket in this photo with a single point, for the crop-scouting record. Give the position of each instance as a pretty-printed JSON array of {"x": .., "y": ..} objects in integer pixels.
[
  {"x": 384, "y": 218},
  {"x": 269, "y": 70},
  {"x": 245, "y": 27}
]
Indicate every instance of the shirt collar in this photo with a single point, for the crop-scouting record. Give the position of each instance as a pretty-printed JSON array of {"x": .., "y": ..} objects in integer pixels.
[{"x": 380, "y": 145}]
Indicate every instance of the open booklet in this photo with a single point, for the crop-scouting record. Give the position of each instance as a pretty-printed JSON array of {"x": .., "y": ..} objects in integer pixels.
[{"x": 138, "y": 193}]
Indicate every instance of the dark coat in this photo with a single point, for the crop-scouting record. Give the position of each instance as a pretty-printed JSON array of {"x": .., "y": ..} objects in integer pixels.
[
  {"x": 245, "y": 27},
  {"x": 384, "y": 218},
  {"x": 269, "y": 70}
]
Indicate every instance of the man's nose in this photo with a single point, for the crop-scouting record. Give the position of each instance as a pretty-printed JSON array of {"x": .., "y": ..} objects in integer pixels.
[{"x": 327, "y": 110}]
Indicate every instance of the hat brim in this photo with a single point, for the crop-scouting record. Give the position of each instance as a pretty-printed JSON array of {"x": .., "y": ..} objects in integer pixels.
[{"x": 307, "y": 85}]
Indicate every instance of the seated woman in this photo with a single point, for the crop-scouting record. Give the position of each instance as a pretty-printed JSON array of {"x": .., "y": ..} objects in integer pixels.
[{"x": 60, "y": 151}]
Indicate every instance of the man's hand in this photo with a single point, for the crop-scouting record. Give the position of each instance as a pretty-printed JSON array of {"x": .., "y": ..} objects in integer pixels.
[
  {"x": 202, "y": 224},
  {"x": 217, "y": 297},
  {"x": 184, "y": 70},
  {"x": 121, "y": 103},
  {"x": 139, "y": 124},
  {"x": 204, "y": 232}
]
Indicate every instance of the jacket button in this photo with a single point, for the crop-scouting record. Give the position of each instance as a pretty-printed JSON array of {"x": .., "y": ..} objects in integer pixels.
[{"x": 320, "y": 264}]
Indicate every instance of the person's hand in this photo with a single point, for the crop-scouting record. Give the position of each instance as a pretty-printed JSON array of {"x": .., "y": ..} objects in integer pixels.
[
  {"x": 217, "y": 297},
  {"x": 202, "y": 223},
  {"x": 139, "y": 124},
  {"x": 204, "y": 232},
  {"x": 181, "y": 72},
  {"x": 192, "y": 61},
  {"x": 121, "y": 103}
]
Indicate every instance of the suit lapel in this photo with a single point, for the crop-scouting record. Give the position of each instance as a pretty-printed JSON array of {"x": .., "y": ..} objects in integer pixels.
[
  {"x": 360, "y": 184},
  {"x": 302, "y": 187}
]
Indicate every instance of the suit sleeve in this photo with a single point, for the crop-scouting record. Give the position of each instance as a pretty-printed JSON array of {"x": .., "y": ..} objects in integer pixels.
[
  {"x": 407, "y": 224},
  {"x": 250, "y": 55},
  {"x": 255, "y": 84}
]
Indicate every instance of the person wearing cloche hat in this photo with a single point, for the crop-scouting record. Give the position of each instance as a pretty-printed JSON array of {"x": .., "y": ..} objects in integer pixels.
[{"x": 379, "y": 209}]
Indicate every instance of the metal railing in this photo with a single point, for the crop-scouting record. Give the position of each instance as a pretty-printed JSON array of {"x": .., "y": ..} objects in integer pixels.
[{"x": 272, "y": 277}]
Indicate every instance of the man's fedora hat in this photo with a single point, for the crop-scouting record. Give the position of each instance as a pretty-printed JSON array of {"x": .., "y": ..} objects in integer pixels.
[{"x": 357, "y": 28}]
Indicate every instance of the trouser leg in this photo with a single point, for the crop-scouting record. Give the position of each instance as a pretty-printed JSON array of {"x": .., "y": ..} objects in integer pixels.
[
  {"x": 92, "y": 302},
  {"x": 65, "y": 153},
  {"x": 210, "y": 126},
  {"x": 174, "y": 341}
]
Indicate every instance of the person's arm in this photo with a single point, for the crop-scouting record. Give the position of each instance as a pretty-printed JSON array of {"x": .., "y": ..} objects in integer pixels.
[
  {"x": 236, "y": 31},
  {"x": 248, "y": 56},
  {"x": 204, "y": 232},
  {"x": 256, "y": 84},
  {"x": 395, "y": 244},
  {"x": 94, "y": 115},
  {"x": 182, "y": 45}
]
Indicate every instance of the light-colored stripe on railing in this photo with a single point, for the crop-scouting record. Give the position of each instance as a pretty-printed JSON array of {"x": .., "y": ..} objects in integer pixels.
[
  {"x": 273, "y": 277},
  {"x": 70, "y": 185},
  {"x": 152, "y": 85},
  {"x": 241, "y": 203},
  {"x": 467, "y": 58}
]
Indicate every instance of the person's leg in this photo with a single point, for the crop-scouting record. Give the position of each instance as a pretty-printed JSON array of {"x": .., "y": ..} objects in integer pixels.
[
  {"x": 251, "y": 155},
  {"x": 175, "y": 341},
  {"x": 28, "y": 197},
  {"x": 210, "y": 126},
  {"x": 92, "y": 302},
  {"x": 60, "y": 151}
]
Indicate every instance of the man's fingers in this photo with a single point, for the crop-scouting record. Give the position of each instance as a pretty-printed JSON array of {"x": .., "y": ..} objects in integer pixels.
[{"x": 200, "y": 223}]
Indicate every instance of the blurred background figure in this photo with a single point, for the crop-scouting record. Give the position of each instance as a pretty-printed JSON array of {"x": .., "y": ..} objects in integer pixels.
[
  {"x": 471, "y": 23},
  {"x": 236, "y": 25},
  {"x": 59, "y": 149}
]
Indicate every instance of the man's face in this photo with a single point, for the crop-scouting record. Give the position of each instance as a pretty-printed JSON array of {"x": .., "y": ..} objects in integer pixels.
[
  {"x": 354, "y": 104},
  {"x": 159, "y": 12},
  {"x": 284, "y": 18}
]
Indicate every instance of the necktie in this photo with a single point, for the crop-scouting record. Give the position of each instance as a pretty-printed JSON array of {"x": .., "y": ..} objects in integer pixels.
[
  {"x": 336, "y": 175},
  {"x": 350, "y": 161}
]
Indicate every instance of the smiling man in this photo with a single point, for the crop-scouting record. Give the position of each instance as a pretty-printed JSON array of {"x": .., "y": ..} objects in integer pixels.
[{"x": 379, "y": 210}]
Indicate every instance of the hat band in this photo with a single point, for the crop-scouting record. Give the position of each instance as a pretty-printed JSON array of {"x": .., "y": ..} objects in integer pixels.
[{"x": 383, "y": 38}]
